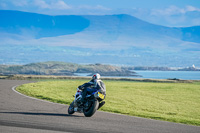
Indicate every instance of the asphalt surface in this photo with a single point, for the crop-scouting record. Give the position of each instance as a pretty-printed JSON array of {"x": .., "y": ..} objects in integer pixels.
[{"x": 20, "y": 114}]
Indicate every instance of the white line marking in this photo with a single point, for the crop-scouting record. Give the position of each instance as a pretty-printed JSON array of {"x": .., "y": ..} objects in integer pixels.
[{"x": 14, "y": 89}]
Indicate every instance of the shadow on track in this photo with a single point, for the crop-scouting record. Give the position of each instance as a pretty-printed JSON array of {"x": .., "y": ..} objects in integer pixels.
[{"x": 44, "y": 114}]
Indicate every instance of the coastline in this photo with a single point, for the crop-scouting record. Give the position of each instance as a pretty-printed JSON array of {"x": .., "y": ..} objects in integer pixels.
[{"x": 53, "y": 77}]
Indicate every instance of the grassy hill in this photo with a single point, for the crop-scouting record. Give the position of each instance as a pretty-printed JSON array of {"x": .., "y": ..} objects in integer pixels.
[{"x": 62, "y": 68}]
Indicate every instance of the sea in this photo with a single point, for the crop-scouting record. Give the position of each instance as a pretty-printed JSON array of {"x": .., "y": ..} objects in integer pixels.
[{"x": 184, "y": 75}]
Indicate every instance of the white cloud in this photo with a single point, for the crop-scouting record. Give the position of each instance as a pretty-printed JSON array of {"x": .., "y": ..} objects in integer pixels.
[
  {"x": 191, "y": 9},
  {"x": 173, "y": 10},
  {"x": 58, "y": 4},
  {"x": 41, "y": 4},
  {"x": 173, "y": 16},
  {"x": 98, "y": 7},
  {"x": 20, "y": 3},
  {"x": 11, "y": 3},
  {"x": 89, "y": 10},
  {"x": 61, "y": 5}
]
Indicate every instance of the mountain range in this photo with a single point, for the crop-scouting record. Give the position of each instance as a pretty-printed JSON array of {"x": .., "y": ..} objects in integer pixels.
[{"x": 111, "y": 39}]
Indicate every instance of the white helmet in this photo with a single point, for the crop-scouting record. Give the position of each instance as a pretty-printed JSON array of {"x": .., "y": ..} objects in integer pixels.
[{"x": 96, "y": 76}]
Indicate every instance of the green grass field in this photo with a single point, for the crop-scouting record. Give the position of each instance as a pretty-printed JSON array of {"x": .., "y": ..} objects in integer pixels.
[{"x": 175, "y": 102}]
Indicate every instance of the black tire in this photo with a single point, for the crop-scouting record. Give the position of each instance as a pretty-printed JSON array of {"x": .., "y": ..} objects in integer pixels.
[
  {"x": 92, "y": 109},
  {"x": 71, "y": 108}
]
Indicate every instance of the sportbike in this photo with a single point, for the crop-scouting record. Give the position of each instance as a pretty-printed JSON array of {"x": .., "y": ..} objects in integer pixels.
[{"x": 93, "y": 101}]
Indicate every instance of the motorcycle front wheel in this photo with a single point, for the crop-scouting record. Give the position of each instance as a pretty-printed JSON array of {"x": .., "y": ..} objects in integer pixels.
[
  {"x": 91, "y": 109},
  {"x": 71, "y": 108}
]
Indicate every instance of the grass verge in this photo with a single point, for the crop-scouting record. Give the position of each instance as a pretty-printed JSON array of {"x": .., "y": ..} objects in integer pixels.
[{"x": 174, "y": 102}]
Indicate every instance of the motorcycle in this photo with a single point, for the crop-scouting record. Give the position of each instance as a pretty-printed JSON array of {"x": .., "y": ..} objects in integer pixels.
[{"x": 93, "y": 102}]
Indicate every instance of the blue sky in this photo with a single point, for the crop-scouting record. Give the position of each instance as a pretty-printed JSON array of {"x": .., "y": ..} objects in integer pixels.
[{"x": 173, "y": 13}]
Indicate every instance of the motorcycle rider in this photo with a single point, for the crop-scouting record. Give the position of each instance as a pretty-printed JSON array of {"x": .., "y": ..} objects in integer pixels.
[{"x": 95, "y": 84}]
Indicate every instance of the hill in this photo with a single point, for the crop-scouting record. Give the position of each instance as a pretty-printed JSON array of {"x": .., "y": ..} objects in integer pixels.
[
  {"x": 62, "y": 68},
  {"x": 110, "y": 39},
  {"x": 39, "y": 26}
]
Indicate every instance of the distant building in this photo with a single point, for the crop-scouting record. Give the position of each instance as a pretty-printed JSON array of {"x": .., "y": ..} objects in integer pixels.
[{"x": 193, "y": 66}]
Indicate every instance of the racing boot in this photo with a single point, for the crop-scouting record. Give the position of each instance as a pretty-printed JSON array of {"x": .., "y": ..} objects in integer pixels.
[{"x": 101, "y": 104}]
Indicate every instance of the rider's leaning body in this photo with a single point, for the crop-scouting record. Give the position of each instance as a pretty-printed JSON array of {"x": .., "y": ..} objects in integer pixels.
[{"x": 95, "y": 84}]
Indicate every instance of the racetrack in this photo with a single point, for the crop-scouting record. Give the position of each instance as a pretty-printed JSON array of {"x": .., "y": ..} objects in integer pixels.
[{"x": 20, "y": 114}]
